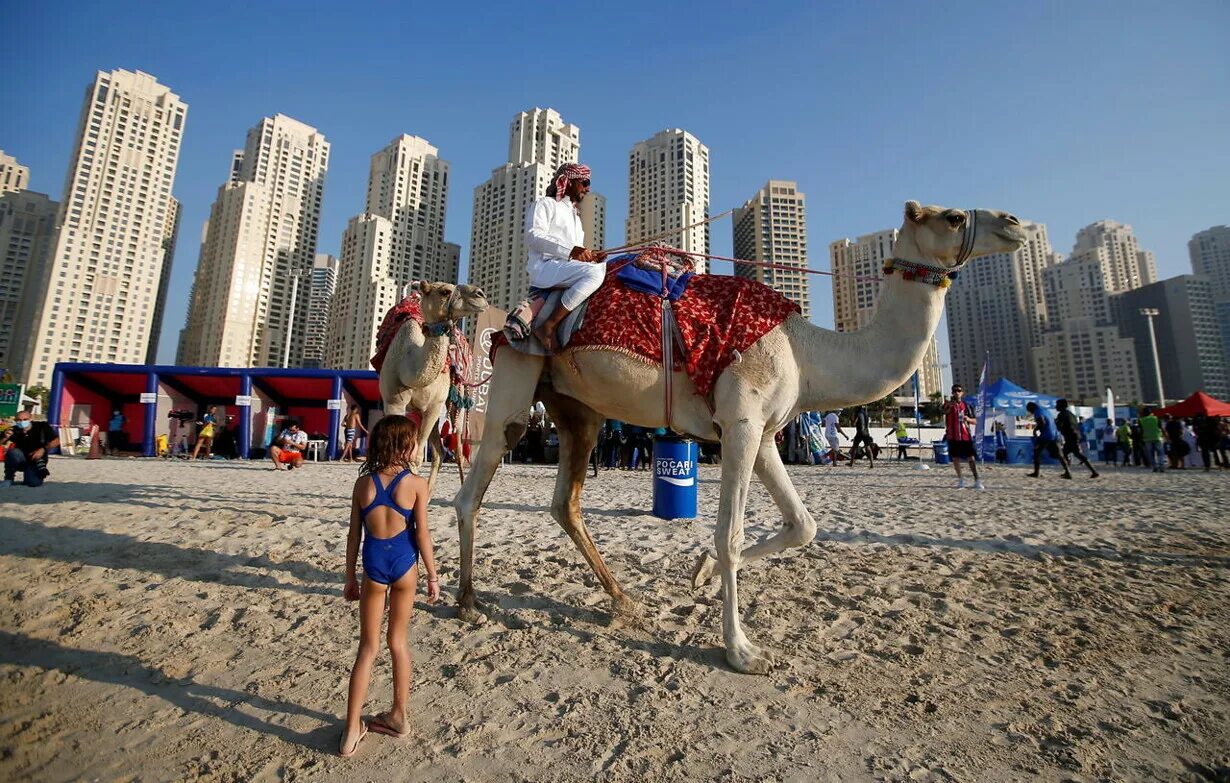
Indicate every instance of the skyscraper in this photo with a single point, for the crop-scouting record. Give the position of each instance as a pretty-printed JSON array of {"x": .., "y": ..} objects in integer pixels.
[
  {"x": 1081, "y": 351},
  {"x": 13, "y": 175},
  {"x": 168, "y": 258},
  {"x": 1113, "y": 246},
  {"x": 539, "y": 141},
  {"x": 1210, "y": 254},
  {"x": 320, "y": 300},
  {"x": 1189, "y": 345},
  {"x": 27, "y": 234},
  {"x": 101, "y": 284},
  {"x": 857, "y": 269},
  {"x": 397, "y": 240},
  {"x": 668, "y": 188},
  {"x": 772, "y": 227},
  {"x": 996, "y": 308},
  {"x": 251, "y": 291}
]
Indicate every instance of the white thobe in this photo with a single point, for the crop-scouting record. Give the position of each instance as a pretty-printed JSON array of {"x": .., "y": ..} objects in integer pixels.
[{"x": 552, "y": 230}]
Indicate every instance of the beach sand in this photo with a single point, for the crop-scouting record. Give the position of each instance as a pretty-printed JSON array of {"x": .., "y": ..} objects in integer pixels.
[{"x": 174, "y": 621}]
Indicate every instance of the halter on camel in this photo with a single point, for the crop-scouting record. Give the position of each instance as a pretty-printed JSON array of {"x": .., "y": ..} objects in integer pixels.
[{"x": 937, "y": 275}]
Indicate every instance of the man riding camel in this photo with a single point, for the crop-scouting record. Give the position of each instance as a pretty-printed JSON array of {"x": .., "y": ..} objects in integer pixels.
[{"x": 558, "y": 257}]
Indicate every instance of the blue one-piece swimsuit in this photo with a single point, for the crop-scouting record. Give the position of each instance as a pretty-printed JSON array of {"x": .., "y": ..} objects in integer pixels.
[{"x": 385, "y": 560}]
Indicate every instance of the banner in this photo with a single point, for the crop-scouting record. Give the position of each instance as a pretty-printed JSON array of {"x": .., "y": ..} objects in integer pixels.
[
  {"x": 10, "y": 399},
  {"x": 917, "y": 399},
  {"x": 981, "y": 414},
  {"x": 489, "y": 323}
]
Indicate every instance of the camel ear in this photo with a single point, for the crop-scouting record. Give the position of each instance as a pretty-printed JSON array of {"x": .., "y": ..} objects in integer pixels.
[
  {"x": 424, "y": 287},
  {"x": 914, "y": 212}
]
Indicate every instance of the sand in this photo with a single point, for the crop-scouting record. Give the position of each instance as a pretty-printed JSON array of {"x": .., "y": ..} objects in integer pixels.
[{"x": 174, "y": 621}]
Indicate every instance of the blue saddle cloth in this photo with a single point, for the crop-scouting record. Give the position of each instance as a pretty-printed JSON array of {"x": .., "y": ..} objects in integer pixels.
[{"x": 649, "y": 281}]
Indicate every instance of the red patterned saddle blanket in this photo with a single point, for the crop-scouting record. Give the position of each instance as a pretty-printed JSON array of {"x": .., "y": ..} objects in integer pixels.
[
  {"x": 405, "y": 310},
  {"x": 717, "y": 316}
]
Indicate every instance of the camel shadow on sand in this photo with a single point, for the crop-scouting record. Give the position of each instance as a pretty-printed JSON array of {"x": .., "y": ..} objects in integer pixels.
[
  {"x": 113, "y": 550},
  {"x": 190, "y": 696},
  {"x": 1031, "y": 551}
]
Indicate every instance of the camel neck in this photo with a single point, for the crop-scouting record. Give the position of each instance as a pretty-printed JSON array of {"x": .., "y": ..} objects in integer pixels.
[{"x": 848, "y": 368}]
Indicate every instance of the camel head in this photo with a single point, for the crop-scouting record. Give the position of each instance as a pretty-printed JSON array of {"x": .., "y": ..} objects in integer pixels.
[
  {"x": 449, "y": 301},
  {"x": 950, "y": 237}
]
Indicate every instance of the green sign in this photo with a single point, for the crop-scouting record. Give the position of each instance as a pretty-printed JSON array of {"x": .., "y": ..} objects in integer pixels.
[{"x": 10, "y": 399}]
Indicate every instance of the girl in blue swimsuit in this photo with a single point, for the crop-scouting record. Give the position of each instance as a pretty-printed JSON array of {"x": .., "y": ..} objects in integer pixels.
[{"x": 388, "y": 514}]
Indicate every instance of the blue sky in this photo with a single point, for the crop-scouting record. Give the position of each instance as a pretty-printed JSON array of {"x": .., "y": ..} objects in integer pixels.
[{"x": 1063, "y": 113}]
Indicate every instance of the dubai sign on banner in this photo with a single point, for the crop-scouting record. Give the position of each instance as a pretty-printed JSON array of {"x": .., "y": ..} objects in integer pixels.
[{"x": 490, "y": 322}]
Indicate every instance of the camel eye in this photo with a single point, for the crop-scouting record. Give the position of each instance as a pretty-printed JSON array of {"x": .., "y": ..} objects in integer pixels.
[{"x": 955, "y": 219}]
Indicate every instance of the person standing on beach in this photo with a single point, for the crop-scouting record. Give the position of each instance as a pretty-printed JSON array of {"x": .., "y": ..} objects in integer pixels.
[
  {"x": 117, "y": 439},
  {"x": 1124, "y": 435},
  {"x": 352, "y": 425},
  {"x": 958, "y": 418},
  {"x": 388, "y": 519},
  {"x": 205, "y": 437},
  {"x": 558, "y": 257},
  {"x": 1046, "y": 438},
  {"x": 862, "y": 435},
  {"x": 1110, "y": 444},
  {"x": 1151, "y": 441},
  {"x": 1070, "y": 430}
]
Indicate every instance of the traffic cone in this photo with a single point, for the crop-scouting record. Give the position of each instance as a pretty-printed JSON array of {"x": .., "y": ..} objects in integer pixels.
[{"x": 95, "y": 444}]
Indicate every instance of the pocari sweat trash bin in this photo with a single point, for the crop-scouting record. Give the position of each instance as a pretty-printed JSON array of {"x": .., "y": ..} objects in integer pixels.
[
  {"x": 941, "y": 452},
  {"x": 674, "y": 478}
]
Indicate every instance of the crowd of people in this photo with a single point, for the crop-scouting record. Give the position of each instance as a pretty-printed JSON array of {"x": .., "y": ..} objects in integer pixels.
[{"x": 1165, "y": 442}]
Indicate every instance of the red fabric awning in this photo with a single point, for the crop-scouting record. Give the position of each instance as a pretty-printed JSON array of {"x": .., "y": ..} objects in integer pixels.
[{"x": 1199, "y": 404}]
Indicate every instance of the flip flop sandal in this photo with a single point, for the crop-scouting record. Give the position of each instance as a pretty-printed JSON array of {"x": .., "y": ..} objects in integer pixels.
[
  {"x": 362, "y": 733},
  {"x": 378, "y": 725}
]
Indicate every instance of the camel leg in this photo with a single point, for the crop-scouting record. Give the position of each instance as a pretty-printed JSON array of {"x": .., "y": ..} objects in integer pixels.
[
  {"x": 577, "y": 425},
  {"x": 741, "y": 441},
  {"x": 798, "y": 528},
  {"x": 437, "y": 456},
  {"x": 512, "y": 393}
]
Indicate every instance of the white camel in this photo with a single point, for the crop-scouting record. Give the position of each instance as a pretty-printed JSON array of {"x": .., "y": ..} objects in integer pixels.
[
  {"x": 794, "y": 367},
  {"x": 414, "y": 376}
]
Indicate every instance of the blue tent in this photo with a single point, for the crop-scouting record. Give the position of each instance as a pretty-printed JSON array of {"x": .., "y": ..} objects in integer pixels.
[{"x": 1006, "y": 396}]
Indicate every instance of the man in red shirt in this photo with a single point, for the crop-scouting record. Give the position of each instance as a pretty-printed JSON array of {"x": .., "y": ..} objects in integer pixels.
[{"x": 957, "y": 420}]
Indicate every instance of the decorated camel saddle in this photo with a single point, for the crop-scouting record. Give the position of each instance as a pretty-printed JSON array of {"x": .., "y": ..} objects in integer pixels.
[{"x": 650, "y": 306}]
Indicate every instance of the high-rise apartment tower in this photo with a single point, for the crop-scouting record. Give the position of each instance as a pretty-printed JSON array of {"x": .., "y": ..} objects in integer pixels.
[
  {"x": 771, "y": 227},
  {"x": 398, "y": 239},
  {"x": 252, "y": 288},
  {"x": 102, "y": 280},
  {"x": 668, "y": 188}
]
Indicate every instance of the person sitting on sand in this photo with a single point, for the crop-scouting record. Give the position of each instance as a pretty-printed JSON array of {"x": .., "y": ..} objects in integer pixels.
[
  {"x": 388, "y": 513},
  {"x": 287, "y": 449}
]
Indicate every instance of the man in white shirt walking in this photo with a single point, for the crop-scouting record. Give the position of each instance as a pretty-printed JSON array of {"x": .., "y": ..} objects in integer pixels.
[
  {"x": 831, "y": 430},
  {"x": 558, "y": 257}
]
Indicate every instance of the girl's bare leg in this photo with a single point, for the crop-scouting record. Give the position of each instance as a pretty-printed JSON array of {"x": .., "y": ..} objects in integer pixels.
[
  {"x": 401, "y": 606},
  {"x": 371, "y": 611}
]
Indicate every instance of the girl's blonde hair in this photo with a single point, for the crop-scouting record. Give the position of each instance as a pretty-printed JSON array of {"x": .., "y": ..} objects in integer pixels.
[{"x": 394, "y": 441}]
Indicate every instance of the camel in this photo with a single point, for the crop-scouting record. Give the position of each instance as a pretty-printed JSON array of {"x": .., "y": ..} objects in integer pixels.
[
  {"x": 794, "y": 367},
  {"x": 414, "y": 376}
]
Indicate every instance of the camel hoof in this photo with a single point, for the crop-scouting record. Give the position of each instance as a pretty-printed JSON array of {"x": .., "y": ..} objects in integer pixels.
[
  {"x": 625, "y": 609},
  {"x": 749, "y": 660},
  {"x": 468, "y": 614},
  {"x": 703, "y": 571}
]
